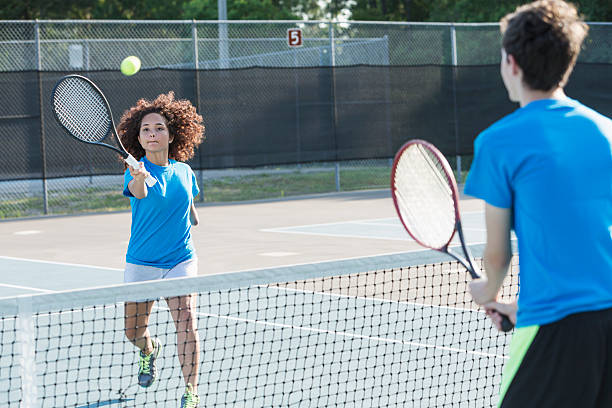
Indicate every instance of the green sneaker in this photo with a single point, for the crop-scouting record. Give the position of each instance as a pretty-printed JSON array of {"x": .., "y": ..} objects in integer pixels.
[
  {"x": 147, "y": 371},
  {"x": 189, "y": 400}
]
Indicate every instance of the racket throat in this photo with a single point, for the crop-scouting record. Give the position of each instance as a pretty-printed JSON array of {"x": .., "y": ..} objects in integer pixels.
[{"x": 466, "y": 250}]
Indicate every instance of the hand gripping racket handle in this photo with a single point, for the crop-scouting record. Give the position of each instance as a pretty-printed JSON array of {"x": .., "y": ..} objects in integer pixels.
[
  {"x": 150, "y": 180},
  {"x": 506, "y": 324}
]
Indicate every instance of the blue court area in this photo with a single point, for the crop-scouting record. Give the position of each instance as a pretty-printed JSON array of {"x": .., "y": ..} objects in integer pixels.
[
  {"x": 28, "y": 276},
  {"x": 384, "y": 228}
]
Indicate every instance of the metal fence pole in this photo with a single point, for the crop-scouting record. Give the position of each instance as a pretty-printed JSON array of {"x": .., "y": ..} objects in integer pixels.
[
  {"x": 388, "y": 102},
  {"x": 223, "y": 44},
  {"x": 334, "y": 106},
  {"x": 453, "y": 34},
  {"x": 296, "y": 79},
  {"x": 42, "y": 117},
  {"x": 196, "y": 67}
]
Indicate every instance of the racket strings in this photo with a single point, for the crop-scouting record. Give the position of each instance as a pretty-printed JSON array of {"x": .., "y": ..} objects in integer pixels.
[
  {"x": 424, "y": 197},
  {"x": 81, "y": 110}
]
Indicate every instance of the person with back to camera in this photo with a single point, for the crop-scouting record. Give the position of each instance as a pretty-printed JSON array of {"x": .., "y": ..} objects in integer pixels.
[{"x": 545, "y": 171}]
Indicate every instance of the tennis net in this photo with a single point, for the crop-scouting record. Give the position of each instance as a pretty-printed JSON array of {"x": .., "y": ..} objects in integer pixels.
[{"x": 385, "y": 331}]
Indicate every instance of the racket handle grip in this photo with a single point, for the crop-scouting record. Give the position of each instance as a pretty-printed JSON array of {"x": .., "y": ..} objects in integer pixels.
[
  {"x": 150, "y": 180},
  {"x": 131, "y": 161},
  {"x": 506, "y": 324}
]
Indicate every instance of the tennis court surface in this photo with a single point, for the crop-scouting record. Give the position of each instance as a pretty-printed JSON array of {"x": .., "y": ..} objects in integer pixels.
[
  {"x": 297, "y": 329},
  {"x": 369, "y": 332}
]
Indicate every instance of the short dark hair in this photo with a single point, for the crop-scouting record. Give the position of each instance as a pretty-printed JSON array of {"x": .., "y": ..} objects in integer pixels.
[{"x": 545, "y": 38}]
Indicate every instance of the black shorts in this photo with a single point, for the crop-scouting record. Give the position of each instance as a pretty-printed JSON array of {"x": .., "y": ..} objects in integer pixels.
[{"x": 563, "y": 364}]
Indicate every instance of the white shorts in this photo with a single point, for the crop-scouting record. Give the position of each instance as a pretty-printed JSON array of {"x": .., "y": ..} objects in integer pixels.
[{"x": 139, "y": 273}]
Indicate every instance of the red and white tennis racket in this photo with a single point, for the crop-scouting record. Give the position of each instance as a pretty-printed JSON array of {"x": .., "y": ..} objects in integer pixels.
[{"x": 426, "y": 198}]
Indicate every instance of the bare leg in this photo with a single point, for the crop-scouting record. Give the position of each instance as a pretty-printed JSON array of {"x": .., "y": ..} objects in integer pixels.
[
  {"x": 183, "y": 310},
  {"x": 137, "y": 325}
]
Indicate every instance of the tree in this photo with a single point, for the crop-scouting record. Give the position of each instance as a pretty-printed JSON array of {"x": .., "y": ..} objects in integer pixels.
[
  {"x": 493, "y": 11},
  {"x": 33, "y": 9},
  {"x": 239, "y": 10},
  {"x": 460, "y": 10},
  {"x": 390, "y": 10},
  {"x": 372, "y": 10}
]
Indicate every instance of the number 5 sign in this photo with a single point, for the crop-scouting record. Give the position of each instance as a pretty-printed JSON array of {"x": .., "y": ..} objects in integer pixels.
[{"x": 294, "y": 37}]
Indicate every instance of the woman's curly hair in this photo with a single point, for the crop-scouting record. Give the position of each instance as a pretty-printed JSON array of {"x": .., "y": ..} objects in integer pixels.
[{"x": 184, "y": 126}]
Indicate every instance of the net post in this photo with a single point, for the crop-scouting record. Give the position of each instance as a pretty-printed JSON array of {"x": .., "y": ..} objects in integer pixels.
[{"x": 26, "y": 335}]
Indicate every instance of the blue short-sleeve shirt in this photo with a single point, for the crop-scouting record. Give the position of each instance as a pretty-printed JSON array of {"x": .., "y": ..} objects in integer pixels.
[
  {"x": 161, "y": 226},
  {"x": 551, "y": 163}
]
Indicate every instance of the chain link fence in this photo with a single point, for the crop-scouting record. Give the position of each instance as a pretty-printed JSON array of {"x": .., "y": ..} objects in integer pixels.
[{"x": 29, "y": 49}]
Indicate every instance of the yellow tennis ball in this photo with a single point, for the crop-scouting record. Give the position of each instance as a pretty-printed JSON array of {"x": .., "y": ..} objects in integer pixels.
[{"x": 130, "y": 65}]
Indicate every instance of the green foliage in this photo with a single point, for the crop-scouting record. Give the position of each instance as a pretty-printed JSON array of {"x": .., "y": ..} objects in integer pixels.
[
  {"x": 595, "y": 10},
  {"x": 391, "y": 10},
  {"x": 461, "y": 10},
  {"x": 492, "y": 11},
  {"x": 372, "y": 10},
  {"x": 32, "y": 9},
  {"x": 137, "y": 9},
  {"x": 470, "y": 10},
  {"x": 238, "y": 10}
]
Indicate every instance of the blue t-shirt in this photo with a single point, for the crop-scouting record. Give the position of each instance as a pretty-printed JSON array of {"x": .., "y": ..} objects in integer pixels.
[
  {"x": 551, "y": 163},
  {"x": 161, "y": 225}
]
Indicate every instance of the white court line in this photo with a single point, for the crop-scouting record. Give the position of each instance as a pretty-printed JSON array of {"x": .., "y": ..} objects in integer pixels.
[
  {"x": 329, "y": 234},
  {"x": 375, "y": 299},
  {"x": 321, "y": 331},
  {"x": 368, "y": 220},
  {"x": 354, "y": 335},
  {"x": 325, "y": 224},
  {"x": 398, "y": 225},
  {"x": 407, "y": 238},
  {"x": 27, "y": 232},
  {"x": 337, "y": 333},
  {"x": 348, "y": 334},
  {"x": 27, "y": 288},
  {"x": 377, "y": 224},
  {"x": 11, "y": 258}
]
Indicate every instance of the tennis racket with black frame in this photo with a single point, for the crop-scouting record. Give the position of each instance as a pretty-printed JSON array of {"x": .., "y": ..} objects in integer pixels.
[
  {"x": 426, "y": 199},
  {"x": 83, "y": 111}
]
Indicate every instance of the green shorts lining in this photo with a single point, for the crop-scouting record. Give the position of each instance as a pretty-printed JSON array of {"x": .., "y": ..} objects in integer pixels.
[{"x": 521, "y": 340}]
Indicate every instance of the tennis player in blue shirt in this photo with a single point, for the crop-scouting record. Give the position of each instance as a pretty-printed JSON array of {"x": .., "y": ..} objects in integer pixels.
[
  {"x": 162, "y": 134},
  {"x": 546, "y": 172}
]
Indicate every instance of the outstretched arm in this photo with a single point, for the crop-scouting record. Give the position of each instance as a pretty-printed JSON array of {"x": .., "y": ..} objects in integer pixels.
[{"x": 137, "y": 185}]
